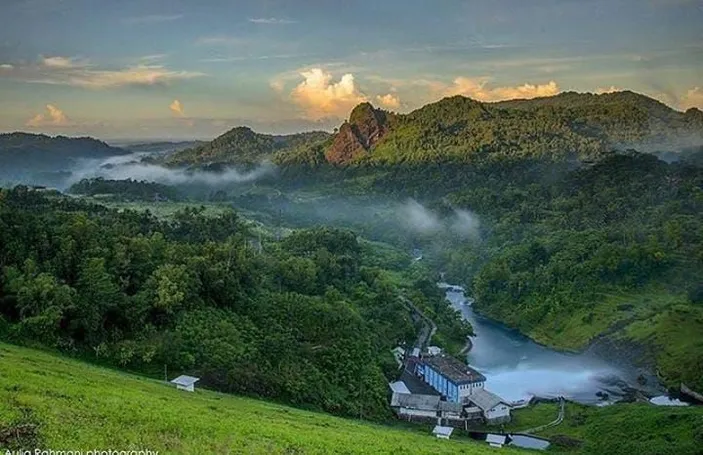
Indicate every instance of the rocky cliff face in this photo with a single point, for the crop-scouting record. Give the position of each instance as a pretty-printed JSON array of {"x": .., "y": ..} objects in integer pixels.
[{"x": 366, "y": 126}]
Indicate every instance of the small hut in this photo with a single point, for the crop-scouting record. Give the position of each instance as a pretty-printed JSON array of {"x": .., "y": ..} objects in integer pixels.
[
  {"x": 186, "y": 383},
  {"x": 442, "y": 432}
]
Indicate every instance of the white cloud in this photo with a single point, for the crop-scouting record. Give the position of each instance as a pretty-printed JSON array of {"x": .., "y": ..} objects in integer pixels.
[
  {"x": 270, "y": 21},
  {"x": 319, "y": 96},
  {"x": 478, "y": 89},
  {"x": 52, "y": 117},
  {"x": 611, "y": 89},
  {"x": 177, "y": 108},
  {"x": 63, "y": 62},
  {"x": 6, "y": 66},
  {"x": 389, "y": 100},
  {"x": 152, "y": 19},
  {"x": 692, "y": 98}
]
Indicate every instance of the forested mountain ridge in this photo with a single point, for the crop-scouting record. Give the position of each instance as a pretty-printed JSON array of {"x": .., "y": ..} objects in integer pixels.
[
  {"x": 460, "y": 129},
  {"x": 24, "y": 151},
  {"x": 242, "y": 146}
]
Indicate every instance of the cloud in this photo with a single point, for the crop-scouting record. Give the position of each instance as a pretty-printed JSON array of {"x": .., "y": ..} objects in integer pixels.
[
  {"x": 390, "y": 101},
  {"x": 611, "y": 89},
  {"x": 152, "y": 19},
  {"x": 146, "y": 59},
  {"x": 277, "y": 85},
  {"x": 125, "y": 167},
  {"x": 692, "y": 98},
  {"x": 81, "y": 73},
  {"x": 63, "y": 62},
  {"x": 177, "y": 108},
  {"x": 270, "y": 21},
  {"x": 465, "y": 224},
  {"x": 319, "y": 96},
  {"x": 478, "y": 89},
  {"x": 52, "y": 117},
  {"x": 6, "y": 66},
  {"x": 414, "y": 216}
]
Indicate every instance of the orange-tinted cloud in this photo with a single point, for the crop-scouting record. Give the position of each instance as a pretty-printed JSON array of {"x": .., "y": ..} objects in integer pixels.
[
  {"x": 692, "y": 98},
  {"x": 177, "y": 108},
  {"x": 478, "y": 89},
  {"x": 389, "y": 100},
  {"x": 52, "y": 117},
  {"x": 611, "y": 89},
  {"x": 319, "y": 96}
]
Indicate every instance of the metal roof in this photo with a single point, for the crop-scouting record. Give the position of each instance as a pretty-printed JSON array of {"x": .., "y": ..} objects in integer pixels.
[
  {"x": 496, "y": 438},
  {"x": 185, "y": 380},
  {"x": 399, "y": 387},
  {"x": 450, "y": 406},
  {"x": 444, "y": 431},
  {"x": 457, "y": 372},
  {"x": 415, "y": 401},
  {"x": 485, "y": 399}
]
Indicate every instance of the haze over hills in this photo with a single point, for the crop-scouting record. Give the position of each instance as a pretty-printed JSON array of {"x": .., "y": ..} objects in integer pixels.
[{"x": 42, "y": 151}]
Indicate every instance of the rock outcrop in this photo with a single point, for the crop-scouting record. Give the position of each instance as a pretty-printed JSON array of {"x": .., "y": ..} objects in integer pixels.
[{"x": 366, "y": 126}]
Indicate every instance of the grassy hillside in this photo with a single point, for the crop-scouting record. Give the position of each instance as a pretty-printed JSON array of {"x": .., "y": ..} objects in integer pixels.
[{"x": 65, "y": 404}]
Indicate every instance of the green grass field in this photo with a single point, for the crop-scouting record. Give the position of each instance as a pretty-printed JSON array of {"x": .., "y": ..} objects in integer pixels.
[
  {"x": 62, "y": 404},
  {"x": 635, "y": 428}
]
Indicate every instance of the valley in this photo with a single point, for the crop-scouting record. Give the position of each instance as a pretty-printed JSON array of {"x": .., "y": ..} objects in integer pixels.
[{"x": 271, "y": 265}]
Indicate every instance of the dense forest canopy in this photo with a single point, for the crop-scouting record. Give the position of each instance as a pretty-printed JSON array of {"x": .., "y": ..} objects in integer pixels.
[{"x": 309, "y": 320}]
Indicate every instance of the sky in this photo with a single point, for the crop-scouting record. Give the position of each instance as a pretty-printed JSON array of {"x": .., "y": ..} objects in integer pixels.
[{"x": 181, "y": 69}]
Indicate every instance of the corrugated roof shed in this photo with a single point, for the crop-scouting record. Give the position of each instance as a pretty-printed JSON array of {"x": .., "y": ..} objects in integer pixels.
[
  {"x": 457, "y": 372},
  {"x": 485, "y": 399},
  {"x": 496, "y": 439},
  {"x": 442, "y": 431},
  {"x": 185, "y": 380}
]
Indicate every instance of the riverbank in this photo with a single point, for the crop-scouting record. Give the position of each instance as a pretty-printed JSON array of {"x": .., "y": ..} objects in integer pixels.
[
  {"x": 652, "y": 333},
  {"x": 519, "y": 368}
]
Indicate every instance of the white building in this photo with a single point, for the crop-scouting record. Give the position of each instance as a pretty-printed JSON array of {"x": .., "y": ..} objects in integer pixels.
[
  {"x": 494, "y": 408},
  {"x": 442, "y": 432},
  {"x": 186, "y": 383},
  {"x": 496, "y": 440}
]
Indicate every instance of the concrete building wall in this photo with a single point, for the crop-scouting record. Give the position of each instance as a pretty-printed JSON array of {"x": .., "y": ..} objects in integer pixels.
[
  {"x": 417, "y": 412},
  {"x": 498, "y": 414}
]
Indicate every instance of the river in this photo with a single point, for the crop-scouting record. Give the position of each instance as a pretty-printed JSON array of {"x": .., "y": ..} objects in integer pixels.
[{"x": 518, "y": 368}]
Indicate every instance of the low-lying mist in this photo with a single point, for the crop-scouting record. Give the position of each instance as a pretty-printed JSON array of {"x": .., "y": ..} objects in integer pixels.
[
  {"x": 419, "y": 218},
  {"x": 128, "y": 167}
]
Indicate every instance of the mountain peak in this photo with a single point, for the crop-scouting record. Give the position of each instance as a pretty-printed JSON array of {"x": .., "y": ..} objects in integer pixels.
[{"x": 366, "y": 126}]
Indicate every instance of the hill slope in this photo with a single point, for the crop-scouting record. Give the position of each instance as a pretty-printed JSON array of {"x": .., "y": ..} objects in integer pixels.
[
  {"x": 44, "y": 152},
  {"x": 59, "y": 403},
  {"x": 241, "y": 145}
]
